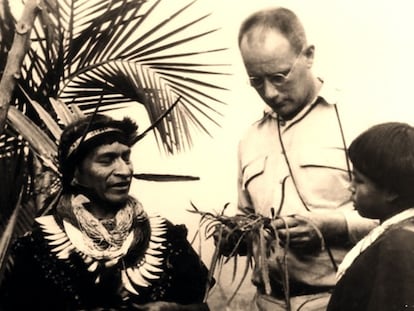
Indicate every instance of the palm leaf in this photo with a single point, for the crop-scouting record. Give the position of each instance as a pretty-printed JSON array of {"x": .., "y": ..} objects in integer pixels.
[
  {"x": 98, "y": 49},
  {"x": 50, "y": 123},
  {"x": 39, "y": 141},
  {"x": 66, "y": 114}
]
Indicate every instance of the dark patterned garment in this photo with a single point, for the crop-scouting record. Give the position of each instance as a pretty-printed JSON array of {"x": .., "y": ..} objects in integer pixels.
[
  {"x": 382, "y": 277},
  {"x": 50, "y": 273}
]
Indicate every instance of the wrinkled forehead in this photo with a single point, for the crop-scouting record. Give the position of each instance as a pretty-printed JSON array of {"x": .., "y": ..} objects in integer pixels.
[
  {"x": 116, "y": 147},
  {"x": 260, "y": 34},
  {"x": 264, "y": 41},
  {"x": 265, "y": 51}
]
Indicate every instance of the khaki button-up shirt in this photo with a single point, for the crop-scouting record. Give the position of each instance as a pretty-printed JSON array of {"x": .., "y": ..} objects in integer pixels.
[{"x": 298, "y": 165}]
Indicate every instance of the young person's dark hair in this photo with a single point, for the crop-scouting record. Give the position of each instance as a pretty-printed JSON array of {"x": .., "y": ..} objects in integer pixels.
[
  {"x": 377, "y": 273},
  {"x": 385, "y": 154}
]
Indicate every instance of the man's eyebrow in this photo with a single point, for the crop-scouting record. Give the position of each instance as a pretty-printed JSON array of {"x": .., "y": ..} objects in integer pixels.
[
  {"x": 283, "y": 72},
  {"x": 109, "y": 154},
  {"x": 114, "y": 153}
]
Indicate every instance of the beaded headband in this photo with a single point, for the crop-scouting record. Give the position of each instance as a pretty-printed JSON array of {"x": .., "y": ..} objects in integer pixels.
[{"x": 91, "y": 135}]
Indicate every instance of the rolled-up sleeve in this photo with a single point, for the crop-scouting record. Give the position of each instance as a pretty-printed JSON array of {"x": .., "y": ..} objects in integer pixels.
[{"x": 357, "y": 225}]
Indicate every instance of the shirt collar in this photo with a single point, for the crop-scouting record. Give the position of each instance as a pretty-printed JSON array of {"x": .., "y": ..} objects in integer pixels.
[{"x": 327, "y": 93}]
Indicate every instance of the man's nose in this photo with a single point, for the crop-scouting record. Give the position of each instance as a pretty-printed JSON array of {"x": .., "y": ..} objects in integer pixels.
[
  {"x": 123, "y": 168},
  {"x": 269, "y": 90}
]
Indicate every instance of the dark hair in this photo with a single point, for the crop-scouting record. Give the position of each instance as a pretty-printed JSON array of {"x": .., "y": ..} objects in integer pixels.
[
  {"x": 385, "y": 154},
  {"x": 280, "y": 19},
  {"x": 82, "y": 136}
]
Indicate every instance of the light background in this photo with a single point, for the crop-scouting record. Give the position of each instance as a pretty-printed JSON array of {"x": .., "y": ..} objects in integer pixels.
[{"x": 365, "y": 47}]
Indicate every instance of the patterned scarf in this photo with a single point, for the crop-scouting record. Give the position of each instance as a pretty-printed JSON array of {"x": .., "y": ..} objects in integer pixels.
[{"x": 370, "y": 238}]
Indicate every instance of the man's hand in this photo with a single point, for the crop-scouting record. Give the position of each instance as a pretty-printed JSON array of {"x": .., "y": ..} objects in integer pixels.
[{"x": 309, "y": 231}]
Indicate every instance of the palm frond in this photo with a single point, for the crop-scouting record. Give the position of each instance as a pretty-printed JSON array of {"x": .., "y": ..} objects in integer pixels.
[
  {"x": 39, "y": 141},
  {"x": 66, "y": 114},
  {"x": 50, "y": 123},
  {"x": 118, "y": 50}
]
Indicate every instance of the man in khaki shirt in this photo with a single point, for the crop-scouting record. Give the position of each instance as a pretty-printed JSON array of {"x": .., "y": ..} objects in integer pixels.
[{"x": 293, "y": 168}]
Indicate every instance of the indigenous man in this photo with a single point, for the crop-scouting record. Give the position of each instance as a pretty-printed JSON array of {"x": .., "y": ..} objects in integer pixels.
[{"x": 99, "y": 250}]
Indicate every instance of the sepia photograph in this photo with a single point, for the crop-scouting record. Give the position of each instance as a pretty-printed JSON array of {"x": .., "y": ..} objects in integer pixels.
[{"x": 221, "y": 155}]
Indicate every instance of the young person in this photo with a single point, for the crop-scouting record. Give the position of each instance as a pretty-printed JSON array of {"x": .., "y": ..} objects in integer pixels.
[{"x": 378, "y": 273}]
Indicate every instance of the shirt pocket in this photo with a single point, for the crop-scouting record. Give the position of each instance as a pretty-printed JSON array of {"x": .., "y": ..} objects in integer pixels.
[
  {"x": 325, "y": 158},
  {"x": 323, "y": 179},
  {"x": 253, "y": 169}
]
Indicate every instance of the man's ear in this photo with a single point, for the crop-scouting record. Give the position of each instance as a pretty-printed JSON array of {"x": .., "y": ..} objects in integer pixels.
[{"x": 309, "y": 53}]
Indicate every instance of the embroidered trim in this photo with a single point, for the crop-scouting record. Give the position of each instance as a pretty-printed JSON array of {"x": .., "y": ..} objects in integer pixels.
[
  {"x": 370, "y": 238},
  {"x": 90, "y": 135},
  {"x": 67, "y": 240}
]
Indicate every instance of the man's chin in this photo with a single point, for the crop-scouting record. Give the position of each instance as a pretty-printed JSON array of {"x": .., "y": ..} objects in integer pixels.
[
  {"x": 282, "y": 112},
  {"x": 117, "y": 200}
]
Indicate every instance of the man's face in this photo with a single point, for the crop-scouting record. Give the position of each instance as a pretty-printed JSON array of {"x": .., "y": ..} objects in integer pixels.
[
  {"x": 266, "y": 53},
  {"x": 107, "y": 172}
]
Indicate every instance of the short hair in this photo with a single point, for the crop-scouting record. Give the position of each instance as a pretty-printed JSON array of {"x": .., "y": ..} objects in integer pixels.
[
  {"x": 79, "y": 138},
  {"x": 385, "y": 154},
  {"x": 280, "y": 19}
]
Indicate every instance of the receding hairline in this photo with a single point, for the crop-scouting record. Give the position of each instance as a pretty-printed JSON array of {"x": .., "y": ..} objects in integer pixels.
[{"x": 278, "y": 19}]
